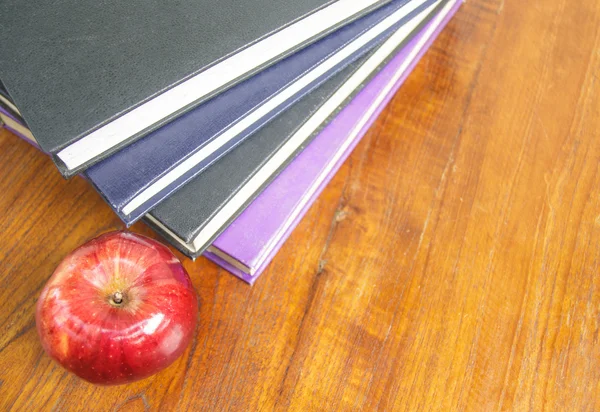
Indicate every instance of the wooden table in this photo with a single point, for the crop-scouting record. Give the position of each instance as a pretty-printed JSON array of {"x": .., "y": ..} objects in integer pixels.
[{"x": 452, "y": 263}]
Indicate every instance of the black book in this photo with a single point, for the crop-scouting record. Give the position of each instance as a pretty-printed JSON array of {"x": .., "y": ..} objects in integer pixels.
[{"x": 90, "y": 77}]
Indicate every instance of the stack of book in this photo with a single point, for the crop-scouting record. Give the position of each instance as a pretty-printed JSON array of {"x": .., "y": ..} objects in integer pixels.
[{"x": 218, "y": 123}]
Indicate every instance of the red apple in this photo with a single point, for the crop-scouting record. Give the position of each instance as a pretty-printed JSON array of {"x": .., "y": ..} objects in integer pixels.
[{"x": 117, "y": 309}]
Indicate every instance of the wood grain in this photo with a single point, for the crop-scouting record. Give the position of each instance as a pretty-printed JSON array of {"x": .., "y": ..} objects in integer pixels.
[{"x": 452, "y": 263}]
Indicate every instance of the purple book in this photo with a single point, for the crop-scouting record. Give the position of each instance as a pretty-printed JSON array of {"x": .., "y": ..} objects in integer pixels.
[{"x": 248, "y": 245}]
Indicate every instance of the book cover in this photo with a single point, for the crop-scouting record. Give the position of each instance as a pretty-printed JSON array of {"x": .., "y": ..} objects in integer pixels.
[
  {"x": 98, "y": 75},
  {"x": 195, "y": 215},
  {"x": 250, "y": 242},
  {"x": 140, "y": 176}
]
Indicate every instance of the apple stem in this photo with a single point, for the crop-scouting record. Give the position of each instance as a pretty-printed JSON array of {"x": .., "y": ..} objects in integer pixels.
[{"x": 117, "y": 298}]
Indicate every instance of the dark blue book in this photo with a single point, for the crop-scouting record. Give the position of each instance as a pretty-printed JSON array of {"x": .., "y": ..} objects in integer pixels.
[{"x": 140, "y": 176}]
